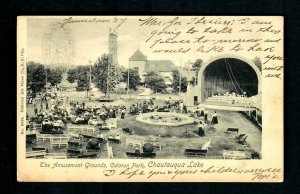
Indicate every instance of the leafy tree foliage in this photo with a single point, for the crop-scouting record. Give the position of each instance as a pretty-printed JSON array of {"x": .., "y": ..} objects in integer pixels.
[
  {"x": 134, "y": 78},
  {"x": 155, "y": 82},
  {"x": 99, "y": 72},
  {"x": 257, "y": 62},
  {"x": 193, "y": 81},
  {"x": 80, "y": 75},
  {"x": 197, "y": 64},
  {"x": 176, "y": 82},
  {"x": 54, "y": 76},
  {"x": 36, "y": 76}
]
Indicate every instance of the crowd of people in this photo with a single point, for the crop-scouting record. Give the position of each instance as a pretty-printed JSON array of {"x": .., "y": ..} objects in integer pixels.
[
  {"x": 51, "y": 110},
  {"x": 232, "y": 94}
]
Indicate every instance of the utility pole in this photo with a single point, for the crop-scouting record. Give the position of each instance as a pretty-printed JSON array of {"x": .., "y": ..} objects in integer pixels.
[
  {"x": 90, "y": 78},
  {"x": 107, "y": 79},
  {"x": 46, "y": 77},
  {"x": 128, "y": 81},
  {"x": 86, "y": 87},
  {"x": 179, "y": 78},
  {"x": 179, "y": 83}
]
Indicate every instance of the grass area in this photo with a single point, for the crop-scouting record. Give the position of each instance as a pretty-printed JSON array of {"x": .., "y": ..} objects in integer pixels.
[{"x": 175, "y": 140}]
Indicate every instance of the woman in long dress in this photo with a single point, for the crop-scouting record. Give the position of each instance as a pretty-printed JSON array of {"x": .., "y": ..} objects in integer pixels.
[
  {"x": 201, "y": 131},
  {"x": 205, "y": 117},
  {"x": 214, "y": 119},
  {"x": 202, "y": 111},
  {"x": 123, "y": 114}
]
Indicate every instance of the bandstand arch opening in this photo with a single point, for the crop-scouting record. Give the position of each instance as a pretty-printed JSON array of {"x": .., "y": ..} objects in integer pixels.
[{"x": 229, "y": 75}]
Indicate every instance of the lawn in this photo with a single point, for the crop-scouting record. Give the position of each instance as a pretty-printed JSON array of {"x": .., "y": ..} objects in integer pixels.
[{"x": 175, "y": 140}]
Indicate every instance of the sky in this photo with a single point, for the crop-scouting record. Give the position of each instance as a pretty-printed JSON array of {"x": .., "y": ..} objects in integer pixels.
[
  {"x": 90, "y": 42},
  {"x": 77, "y": 43}
]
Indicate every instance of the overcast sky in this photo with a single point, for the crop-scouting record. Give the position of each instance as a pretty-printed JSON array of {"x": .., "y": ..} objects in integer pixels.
[{"x": 90, "y": 41}]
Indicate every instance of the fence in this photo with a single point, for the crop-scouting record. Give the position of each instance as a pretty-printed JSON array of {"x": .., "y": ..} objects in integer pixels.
[
  {"x": 233, "y": 155},
  {"x": 50, "y": 138},
  {"x": 82, "y": 129},
  {"x": 37, "y": 126},
  {"x": 59, "y": 141},
  {"x": 134, "y": 142}
]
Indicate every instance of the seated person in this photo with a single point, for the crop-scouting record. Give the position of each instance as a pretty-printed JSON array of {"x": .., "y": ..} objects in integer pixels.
[
  {"x": 100, "y": 135},
  {"x": 137, "y": 150}
]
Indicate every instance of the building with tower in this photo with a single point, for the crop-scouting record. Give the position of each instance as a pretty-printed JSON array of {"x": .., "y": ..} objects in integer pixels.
[{"x": 144, "y": 66}]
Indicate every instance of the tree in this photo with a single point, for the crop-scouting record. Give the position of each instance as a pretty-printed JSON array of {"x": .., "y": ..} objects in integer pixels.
[
  {"x": 257, "y": 62},
  {"x": 196, "y": 66},
  {"x": 193, "y": 81},
  {"x": 155, "y": 82},
  {"x": 176, "y": 82},
  {"x": 54, "y": 76},
  {"x": 79, "y": 75},
  {"x": 134, "y": 78},
  {"x": 72, "y": 75},
  {"x": 36, "y": 76},
  {"x": 99, "y": 72}
]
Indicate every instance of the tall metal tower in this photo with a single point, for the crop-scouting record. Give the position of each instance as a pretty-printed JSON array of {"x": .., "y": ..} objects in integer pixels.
[
  {"x": 113, "y": 46},
  {"x": 112, "y": 72}
]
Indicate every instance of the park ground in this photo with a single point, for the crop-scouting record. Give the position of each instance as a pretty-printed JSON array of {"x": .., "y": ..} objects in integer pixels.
[{"x": 175, "y": 140}]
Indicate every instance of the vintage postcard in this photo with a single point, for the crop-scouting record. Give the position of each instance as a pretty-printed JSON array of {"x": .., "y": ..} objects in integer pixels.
[{"x": 150, "y": 98}]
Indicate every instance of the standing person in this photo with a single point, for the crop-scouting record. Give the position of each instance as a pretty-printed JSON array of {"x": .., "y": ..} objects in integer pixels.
[
  {"x": 122, "y": 113},
  {"x": 35, "y": 111},
  {"x": 214, "y": 119},
  {"x": 205, "y": 117},
  {"x": 202, "y": 111},
  {"x": 181, "y": 106},
  {"x": 184, "y": 109},
  {"x": 201, "y": 131}
]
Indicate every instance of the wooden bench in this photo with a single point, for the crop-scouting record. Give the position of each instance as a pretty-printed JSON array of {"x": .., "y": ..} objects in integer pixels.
[
  {"x": 233, "y": 130},
  {"x": 141, "y": 155},
  {"x": 82, "y": 129},
  {"x": 37, "y": 126},
  {"x": 74, "y": 144},
  {"x": 104, "y": 127},
  {"x": 134, "y": 142},
  {"x": 94, "y": 155},
  {"x": 114, "y": 141},
  {"x": 127, "y": 130},
  {"x": 195, "y": 152},
  {"x": 39, "y": 149},
  {"x": 36, "y": 154},
  {"x": 59, "y": 141},
  {"x": 86, "y": 136},
  {"x": 73, "y": 151},
  {"x": 56, "y": 156},
  {"x": 43, "y": 137},
  {"x": 234, "y": 155}
]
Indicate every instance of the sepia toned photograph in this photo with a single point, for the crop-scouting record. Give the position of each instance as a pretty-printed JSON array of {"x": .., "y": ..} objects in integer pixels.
[{"x": 150, "y": 87}]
